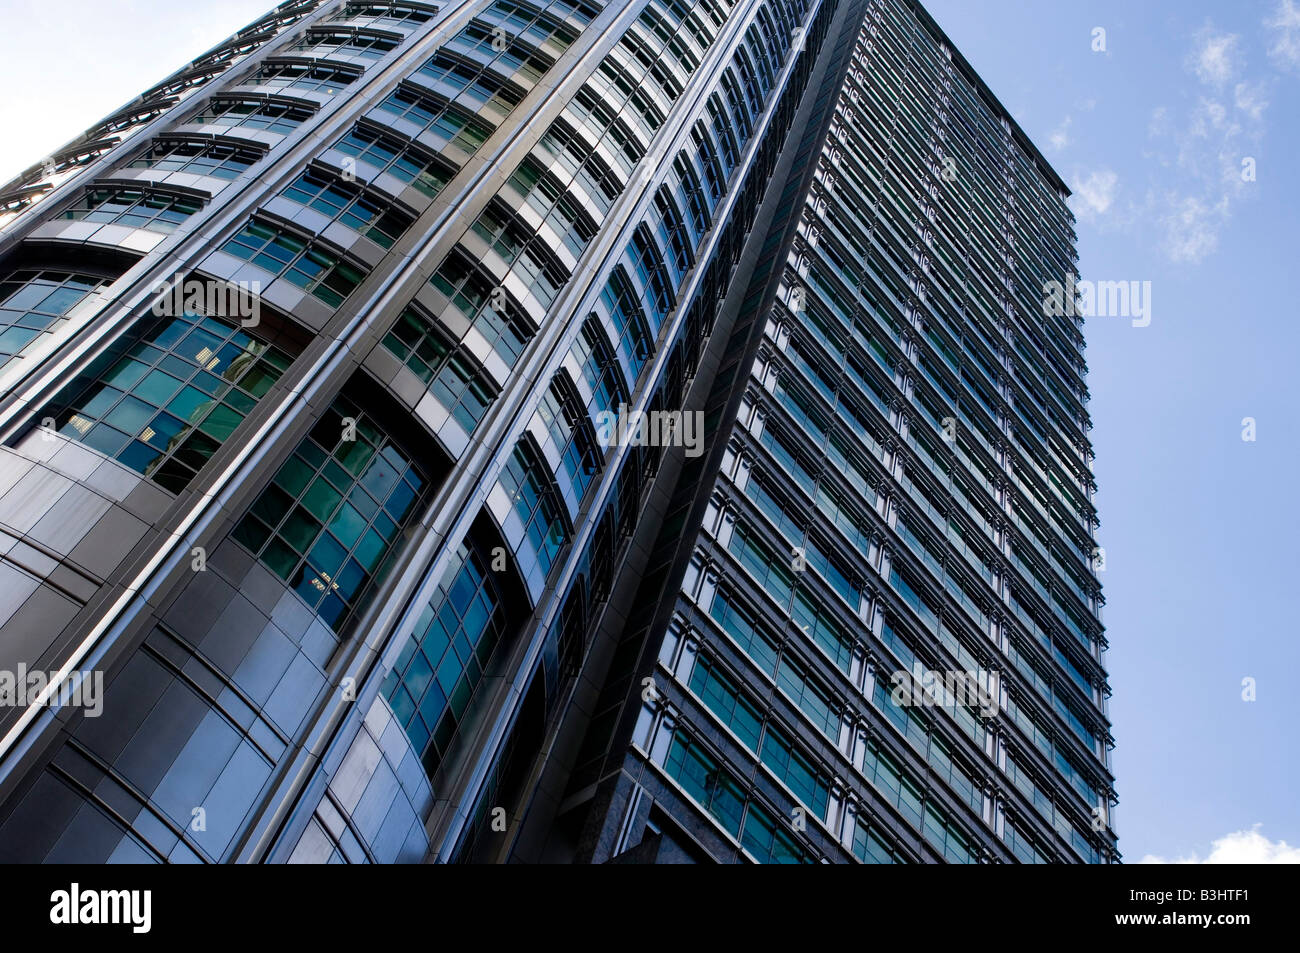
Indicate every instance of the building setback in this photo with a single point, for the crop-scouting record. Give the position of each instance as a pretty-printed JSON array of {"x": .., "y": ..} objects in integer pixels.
[{"x": 521, "y": 431}]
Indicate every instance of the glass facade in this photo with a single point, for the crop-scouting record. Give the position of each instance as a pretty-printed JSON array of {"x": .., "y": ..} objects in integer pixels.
[
  {"x": 173, "y": 397},
  {"x": 898, "y": 405},
  {"x": 458, "y": 631},
  {"x": 279, "y": 118},
  {"x": 452, "y": 375},
  {"x": 335, "y": 512},
  {"x": 134, "y": 208},
  {"x": 408, "y": 529},
  {"x": 197, "y": 158},
  {"x": 386, "y": 154},
  {"x": 342, "y": 203},
  {"x": 35, "y": 302},
  {"x": 280, "y": 252}
]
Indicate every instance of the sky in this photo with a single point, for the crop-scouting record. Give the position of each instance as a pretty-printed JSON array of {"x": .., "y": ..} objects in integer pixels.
[
  {"x": 1149, "y": 122},
  {"x": 109, "y": 52}
]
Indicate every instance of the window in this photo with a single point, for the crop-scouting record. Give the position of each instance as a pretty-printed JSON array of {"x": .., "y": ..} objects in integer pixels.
[
  {"x": 1026, "y": 851},
  {"x": 665, "y": 28},
  {"x": 387, "y": 154},
  {"x": 710, "y": 787},
  {"x": 319, "y": 78},
  {"x": 793, "y": 678},
  {"x": 197, "y": 158},
  {"x": 719, "y": 793},
  {"x": 771, "y": 572},
  {"x": 713, "y": 172},
  {"x": 32, "y": 302},
  {"x": 650, "y": 269},
  {"x": 447, "y": 121},
  {"x": 584, "y": 167},
  {"x": 455, "y": 378},
  {"x": 671, "y": 229},
  {"x": 371, "y": 217},
  {"x": 869, "y": 848},
  {"x": 472, "y": 84},
  {"x": 277, "y": 251},
  {"x": 168, "y": 400},
  {"x": 527, "y": 483},
  {"x": 572, "y": 433},
  {"x": 822, "y": 628},
  {"x": 535, "y": 185},
  {"x": 370, "y": 46},
  {"x": 656, "y": 67},
  {"x": 725, "y": 700},
  {"x": 572, "y": 223},
  {"x": 520, "y": 62},
  {"x": 901, "y": 583},
  {"x": 576, "y": 9},
  {"x": 335, "y": 512},
  {"x": 620, "y": 87},
  {"x": 447, "y": 655},
  {"x": 722, "y": 128},
  {"x": 768, "y": 841},
  {"x": 599, "y": 117},
  {"x": 281, "y": 118},
  {"x": 402, "y": 15},
  {"x": 599, "y": 369},
  {"x": 620, "y": 300},
  {"x": 753, "y": 641},
  {"x": 533, "y": 25},
  {"x": 689, "y": 186},
  {"x": 489, "y": 307},
  {"x": 502, "y": 231},
  {"x": 150, "y": 209},
  {"x": 779, "y": 754}
]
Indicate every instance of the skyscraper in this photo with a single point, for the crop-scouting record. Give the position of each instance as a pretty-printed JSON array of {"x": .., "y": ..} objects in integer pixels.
[
  {"x": 883, "y": 641},
  {"x": 522, "y": 431}
]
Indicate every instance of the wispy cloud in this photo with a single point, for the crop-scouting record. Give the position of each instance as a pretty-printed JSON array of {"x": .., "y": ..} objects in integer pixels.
[
  {"x": 1239, "y": 847},
  {"x": 1094, "y": 194},
  {"x": 1060, "y": 137},
  {"x": 1191, "y": 227},
  {"x": 1215, "y": 56},
  {"x": 1201, "y": 148},
  {"x": 1284, "y": 28},
  {"x": 1249, "y": 98}
]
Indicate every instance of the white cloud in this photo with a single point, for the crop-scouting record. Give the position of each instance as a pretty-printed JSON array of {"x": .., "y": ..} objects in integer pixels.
[
  {"x": 1060, "y": 138},
  {"x": 1192, "y": 227},
  {"x": 1215, "y": 57},
  {"x": 1211, "y": 115},
  {"x": 1199, "y": 151},
  {"x": 1250, "y": 99},
  {"x": 1095, "y": 194},
  {"x": 1240, "y": 847},
  {"x": 1285, "y": 27}
]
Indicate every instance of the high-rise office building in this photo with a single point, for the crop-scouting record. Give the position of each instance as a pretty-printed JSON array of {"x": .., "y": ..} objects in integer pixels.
[
  {"x": 524, "y": 431},
  {"x": 879, "y": 637}
]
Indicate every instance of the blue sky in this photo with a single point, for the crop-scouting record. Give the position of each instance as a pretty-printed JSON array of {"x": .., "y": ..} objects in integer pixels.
[{"x": 1197, "y": 523}]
